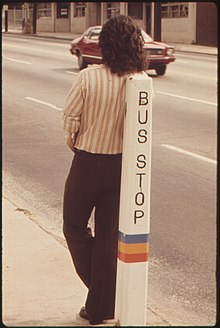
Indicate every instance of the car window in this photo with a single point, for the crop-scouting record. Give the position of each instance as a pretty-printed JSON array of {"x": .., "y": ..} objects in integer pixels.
[
  {"x": 94, "y": 34},
  {"x": 146, "y": 37}
]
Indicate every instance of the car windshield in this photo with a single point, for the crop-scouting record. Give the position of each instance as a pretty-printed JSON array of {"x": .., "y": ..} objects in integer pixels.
[
  {"x": 146, "y": 37},
  {"x": 94, "y": 34}
]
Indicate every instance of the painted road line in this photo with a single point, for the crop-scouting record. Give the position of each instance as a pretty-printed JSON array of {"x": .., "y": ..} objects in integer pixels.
[
  {"x": 189, "y": 153},
  {"x": 43, "y": 103},
  {"x": 187, "y": 98},
  {"x": 36, "y": 49},
  {"x": 183, "y": 61},
  {"x": 15, "y": 39},
  {"x": 69, "y": 72},
  {"x": 18, "y": 61}
]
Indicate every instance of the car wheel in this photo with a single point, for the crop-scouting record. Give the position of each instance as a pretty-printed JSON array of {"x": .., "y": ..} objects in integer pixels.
[
  {"x": 161, "y": 70},
  {"x": 81, "y": 62}
]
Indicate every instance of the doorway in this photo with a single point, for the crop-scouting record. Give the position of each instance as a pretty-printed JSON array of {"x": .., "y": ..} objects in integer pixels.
[{"x": 62, "y": 17}]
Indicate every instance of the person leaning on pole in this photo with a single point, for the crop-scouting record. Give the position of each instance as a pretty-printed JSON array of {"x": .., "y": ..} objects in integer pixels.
[{"x": 93, "y": 118}]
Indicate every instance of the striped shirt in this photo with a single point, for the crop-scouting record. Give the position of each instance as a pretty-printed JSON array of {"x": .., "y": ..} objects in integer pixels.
[{"x": 95, "y": 108}]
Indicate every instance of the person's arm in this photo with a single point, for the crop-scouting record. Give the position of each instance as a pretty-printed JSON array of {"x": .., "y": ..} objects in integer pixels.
[{"x": 72, "y": 111}]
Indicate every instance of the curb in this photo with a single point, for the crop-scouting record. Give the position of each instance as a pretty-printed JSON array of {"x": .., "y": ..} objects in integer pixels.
[
  {"x": 39, "y": 36},
  {"x": 195, "y": 52},
  {"x": 176, "y": 46}
]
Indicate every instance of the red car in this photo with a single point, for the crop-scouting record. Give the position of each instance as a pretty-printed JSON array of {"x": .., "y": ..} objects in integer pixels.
[{"x": 87, "y": 50}]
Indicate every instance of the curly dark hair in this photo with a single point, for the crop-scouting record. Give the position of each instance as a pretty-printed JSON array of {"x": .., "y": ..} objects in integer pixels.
[{"x": 121, "y": 43}]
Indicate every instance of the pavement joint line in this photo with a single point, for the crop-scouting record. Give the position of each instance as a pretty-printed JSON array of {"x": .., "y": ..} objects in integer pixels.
[
  {"x": 160, "y": 317},
  {"x": 187, "y": 98},
  {"x": 189, "y": 153},
  {"x": 43, "y": 103},
  {"x": 183, "y": 61},
  {"x": 31, "y": 217}
]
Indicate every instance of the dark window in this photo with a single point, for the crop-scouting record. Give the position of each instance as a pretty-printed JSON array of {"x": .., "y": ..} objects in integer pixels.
[
  {"x": 63, "y": 10},
  {"x": 135, "y": 9},
  {"x": 44, "y": 10},
  {"x": 174, "y": 9},
  {"x": 79, "y": 9}
]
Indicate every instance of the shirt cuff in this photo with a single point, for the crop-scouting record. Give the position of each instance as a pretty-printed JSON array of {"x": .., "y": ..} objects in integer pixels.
[{"x": 71, "y": 124}]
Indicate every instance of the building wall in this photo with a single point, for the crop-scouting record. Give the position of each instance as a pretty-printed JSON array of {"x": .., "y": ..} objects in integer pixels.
[
  {"x": 47, "y": 25},
  {"x": 206, "y": 24},
  {"x": 141, "y": 22},
  {"x": 199, "y": 27},
  {"x": 182, "y": 30},
  {"x": 93, "y": 14},
  {"x": 77, "y": 24},
  {"x": 62, "y": 17},
  {"x": 62, "y": 25}
]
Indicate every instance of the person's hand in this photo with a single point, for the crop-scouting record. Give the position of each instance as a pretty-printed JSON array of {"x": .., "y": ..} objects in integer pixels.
[{"x": 70, "y": 142}]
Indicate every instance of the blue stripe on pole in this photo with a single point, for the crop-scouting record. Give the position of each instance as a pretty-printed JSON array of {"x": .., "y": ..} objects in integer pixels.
[{"x": 133, "y": 239}]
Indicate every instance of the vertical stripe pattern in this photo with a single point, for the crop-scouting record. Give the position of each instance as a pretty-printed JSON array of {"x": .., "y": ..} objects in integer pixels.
[{"x": 95, "y": 108}]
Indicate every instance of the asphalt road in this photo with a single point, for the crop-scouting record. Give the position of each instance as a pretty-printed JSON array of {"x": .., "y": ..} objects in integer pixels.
[{"x": 37, "y": 75}]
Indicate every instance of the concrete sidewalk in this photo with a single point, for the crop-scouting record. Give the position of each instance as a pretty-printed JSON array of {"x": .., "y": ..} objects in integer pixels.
[
  {"x": 40, "y": 286},
  {"x": 179, "y": 47}
]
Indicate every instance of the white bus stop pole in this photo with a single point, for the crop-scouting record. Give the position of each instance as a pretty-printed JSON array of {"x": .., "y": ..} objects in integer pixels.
[{"x": 134, "y": 217}]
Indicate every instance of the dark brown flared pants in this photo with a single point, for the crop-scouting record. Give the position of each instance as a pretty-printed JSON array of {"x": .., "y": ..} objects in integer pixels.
[{"x": 94, "y": 182}]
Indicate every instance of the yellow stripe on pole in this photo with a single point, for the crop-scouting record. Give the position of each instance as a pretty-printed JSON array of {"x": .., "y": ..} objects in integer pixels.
[{"x": 133, "y": 248}]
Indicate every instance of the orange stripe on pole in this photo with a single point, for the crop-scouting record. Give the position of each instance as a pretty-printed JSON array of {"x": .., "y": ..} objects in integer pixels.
[{"x": 132, "y": 258}]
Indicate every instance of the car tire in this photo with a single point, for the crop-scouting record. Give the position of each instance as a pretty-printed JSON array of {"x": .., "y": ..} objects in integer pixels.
[
  {"x": 81, "y": 62},
  {"x": 161, "y": 70}
]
